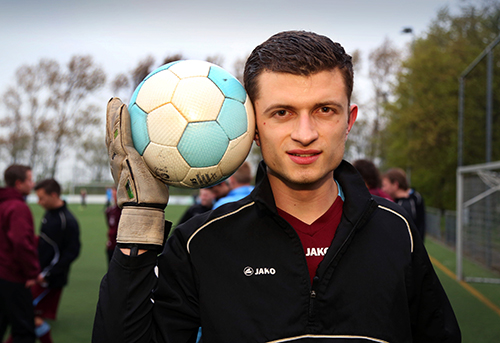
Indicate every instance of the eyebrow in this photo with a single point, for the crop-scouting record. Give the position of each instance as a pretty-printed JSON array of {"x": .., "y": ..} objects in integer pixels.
[{"x": 276, "y": 106}]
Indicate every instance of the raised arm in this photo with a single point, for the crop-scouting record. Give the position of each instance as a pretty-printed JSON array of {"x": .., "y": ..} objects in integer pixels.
[{"x": 124, "y": 309}]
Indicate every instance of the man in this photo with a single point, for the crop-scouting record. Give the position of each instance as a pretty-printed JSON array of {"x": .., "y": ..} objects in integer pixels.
[
  {"x": 239, "y": 183},
  {"x": 204, "y": 203},
  {"x": 309, "y": 256},
  {"x": 58, "y": 247},
  {"x": 220, "y": 190},
  {"x": 112, "y": 213},
  {"x": 371, "y": 175},
  {"x": 395, "y": 183},
  {"x": 19, "y": 265}
]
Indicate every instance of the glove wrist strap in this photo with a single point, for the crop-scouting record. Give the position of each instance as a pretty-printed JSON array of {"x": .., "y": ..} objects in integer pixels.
[{"x": 141, "y": 225}]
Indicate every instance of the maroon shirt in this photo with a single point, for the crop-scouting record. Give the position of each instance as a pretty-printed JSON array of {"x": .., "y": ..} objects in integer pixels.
[
  {"x": 317, "y": 237},
  {"x": 380, "y": 193},
  {"x": 113, "y": 214},
  {"x": 18, "y": 248}
]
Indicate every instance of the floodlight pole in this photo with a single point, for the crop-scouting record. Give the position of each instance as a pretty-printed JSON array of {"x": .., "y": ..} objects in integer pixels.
[
  {"x": 409, "y": 30},
  {"x": 460, "y": 120},
  {"x": 489, "y": 105},
  {"x": 458, "y": 234}
]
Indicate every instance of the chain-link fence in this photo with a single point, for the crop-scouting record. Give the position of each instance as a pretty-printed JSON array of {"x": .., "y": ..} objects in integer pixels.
[{"x": 441, "y": 225}]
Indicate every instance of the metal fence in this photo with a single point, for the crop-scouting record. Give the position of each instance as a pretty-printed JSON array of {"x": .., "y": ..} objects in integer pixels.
[{"x": 441, "y": 225}]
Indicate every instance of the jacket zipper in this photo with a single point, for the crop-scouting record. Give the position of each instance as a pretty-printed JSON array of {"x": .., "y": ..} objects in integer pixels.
[
  {"x": 313, "y": 294},
  {"x": 312, "y": 298}
]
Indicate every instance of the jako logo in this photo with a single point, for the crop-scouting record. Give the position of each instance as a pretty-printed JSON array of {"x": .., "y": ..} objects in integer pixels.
[{"x": 249, "y": 271}]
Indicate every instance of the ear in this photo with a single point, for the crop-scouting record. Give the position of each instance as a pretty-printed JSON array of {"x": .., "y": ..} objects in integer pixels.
[
  {"x": 18, "y": 184},
  {"x": 256, "y": 137},
  {"x": 353, "y": 114}
]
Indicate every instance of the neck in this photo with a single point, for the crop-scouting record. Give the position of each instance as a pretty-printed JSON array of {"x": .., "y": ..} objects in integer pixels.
[
  {"x": 58, "y": 203},
  {"x": 400, "y": 193},
  {"x": 306, "y": 203}
]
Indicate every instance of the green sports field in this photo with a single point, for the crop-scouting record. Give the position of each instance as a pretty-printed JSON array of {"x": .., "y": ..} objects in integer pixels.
[{"x": 477, "y": 306}]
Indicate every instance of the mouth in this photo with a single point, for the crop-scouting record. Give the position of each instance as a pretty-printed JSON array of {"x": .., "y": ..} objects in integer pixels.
[
  {"x": 304, "y": 157},
  {"x": 303, "y": 152}
]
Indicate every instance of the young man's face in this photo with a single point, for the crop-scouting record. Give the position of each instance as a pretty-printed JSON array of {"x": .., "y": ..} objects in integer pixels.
[
  {"x": 389, "y": 187},
  {"x": 25, "y": 186},
  {"x": 206, "y": 197},
  {"x": 302, "y": 125},
  {"x": 47, "y": 201},
  {"x": 220, "y": 190}
]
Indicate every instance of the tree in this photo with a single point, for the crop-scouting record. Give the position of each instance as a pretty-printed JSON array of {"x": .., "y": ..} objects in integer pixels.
[
  {"x": 384, "y": 66},
  {"x": 422, "y": 122},
  {"x": 239, "y": 68},
  {"x": 359, "y": 143},
  {"x": 124, "y": 84},
  {"x": 15, "y": 140},
  {"x": 47, "y": 112},
  {"x": 94, "y": 156},
  {"x": 72, "y": 117},
  {"x": 216, "y": 59}
]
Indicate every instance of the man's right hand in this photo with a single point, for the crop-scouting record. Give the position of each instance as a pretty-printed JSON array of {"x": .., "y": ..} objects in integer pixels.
[{"x": 142, "y": 196}]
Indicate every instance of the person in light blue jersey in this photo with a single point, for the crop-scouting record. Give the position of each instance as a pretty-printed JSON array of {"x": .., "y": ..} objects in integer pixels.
[{"x": 240, "y": 184}]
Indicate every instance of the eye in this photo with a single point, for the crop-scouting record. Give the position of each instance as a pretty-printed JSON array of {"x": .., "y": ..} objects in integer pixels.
[
  {"x": 281, "y": 113},
  {"x": 326, "y": 110}
]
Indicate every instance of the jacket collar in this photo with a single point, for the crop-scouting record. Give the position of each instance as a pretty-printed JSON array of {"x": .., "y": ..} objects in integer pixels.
[
  {"x": 358, "y": 200},
  {"x": 10, "y": 193}
]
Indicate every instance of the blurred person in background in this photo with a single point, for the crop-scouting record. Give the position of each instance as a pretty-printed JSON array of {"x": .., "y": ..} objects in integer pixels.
[
  {"x": 112, "y": 213},
  {"x": 240, "y": 185},
  {"x": 395, "y": 183},
  {"x": 220, "y": 190},
  {"x": 371, "y": 175},
  {"x": 19, "y": 266},
  {"x": 58, "y": 248},
  {"x": 204, "y": 203}
]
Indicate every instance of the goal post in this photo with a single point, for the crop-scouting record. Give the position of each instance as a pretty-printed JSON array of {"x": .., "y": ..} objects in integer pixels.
[{"x": 478, "y": 220}]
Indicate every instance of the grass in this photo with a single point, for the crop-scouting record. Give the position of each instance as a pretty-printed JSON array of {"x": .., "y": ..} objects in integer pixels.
[
  {"x": 478, "y": 322},
  {"x": 78, "y": 303}
]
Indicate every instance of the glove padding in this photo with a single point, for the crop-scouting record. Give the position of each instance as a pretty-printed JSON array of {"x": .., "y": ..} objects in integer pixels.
[{"x": 142, "y": 196}]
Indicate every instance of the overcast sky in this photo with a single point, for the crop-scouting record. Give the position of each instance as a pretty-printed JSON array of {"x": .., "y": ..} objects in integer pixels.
[{"x": 120, "y": 33}]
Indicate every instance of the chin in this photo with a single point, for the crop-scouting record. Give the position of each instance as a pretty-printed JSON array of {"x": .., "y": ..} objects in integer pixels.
[{"x": 309, "y": 181}]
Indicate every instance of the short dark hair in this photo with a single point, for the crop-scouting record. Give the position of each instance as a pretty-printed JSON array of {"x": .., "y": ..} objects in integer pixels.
[
  {"x": 298, "y": 53},
  {"x": 369, "y": 172},
  {"x": 243, "y": 175},
  {"x": 399, "y": 175},
  {"x": 49, "y": 186},
  {"x": 15, "y": 172}
]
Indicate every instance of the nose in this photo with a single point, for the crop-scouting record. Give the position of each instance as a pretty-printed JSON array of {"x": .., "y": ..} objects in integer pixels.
[{"x": 305, "y": 131}]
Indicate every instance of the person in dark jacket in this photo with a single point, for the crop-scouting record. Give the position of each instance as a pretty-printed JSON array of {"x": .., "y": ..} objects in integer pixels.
[
  {"x": 19, "y": 264},
  {"x": 308, "y": 256},
  {"x": 395, "y": 183},
  {"x": 58, "y": 247},
  {"x": 204, "y": 203}
]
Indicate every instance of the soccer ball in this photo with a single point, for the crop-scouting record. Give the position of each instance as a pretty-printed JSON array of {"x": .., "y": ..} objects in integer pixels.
[{"x": 192, "y": 122}]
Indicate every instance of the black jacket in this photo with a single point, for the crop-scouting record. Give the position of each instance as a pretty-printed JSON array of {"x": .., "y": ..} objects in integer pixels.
[
  {"x": 240, "y": 273},
  {"x": 415, "y": 207},
  {"x": 58, "y": 245}
]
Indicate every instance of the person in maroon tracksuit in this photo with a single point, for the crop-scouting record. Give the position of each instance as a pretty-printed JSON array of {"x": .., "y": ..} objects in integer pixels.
[{"x": 19, "y": 266}]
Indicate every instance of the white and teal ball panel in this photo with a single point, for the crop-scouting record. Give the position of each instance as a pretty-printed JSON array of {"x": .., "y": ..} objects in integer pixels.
[{"x": 192, "y": 122}]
